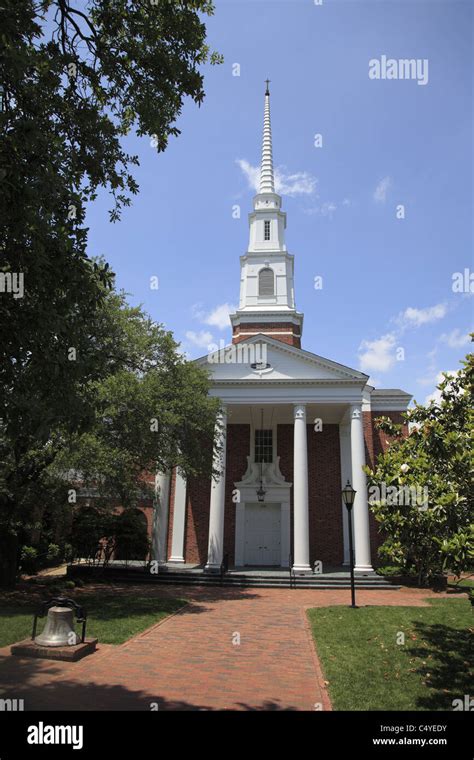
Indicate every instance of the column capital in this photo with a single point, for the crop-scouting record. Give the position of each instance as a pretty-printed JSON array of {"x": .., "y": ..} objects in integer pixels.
[
  {"x": 356, "y": 411},
  {"x": 299, "y": 411}
]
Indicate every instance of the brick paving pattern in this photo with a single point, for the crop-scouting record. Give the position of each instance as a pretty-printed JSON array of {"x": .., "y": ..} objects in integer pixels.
[{"x": 189, "y": 660}]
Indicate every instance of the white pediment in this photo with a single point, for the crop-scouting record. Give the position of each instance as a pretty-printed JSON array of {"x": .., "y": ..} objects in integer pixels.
[{"x": 265, "y": 359}]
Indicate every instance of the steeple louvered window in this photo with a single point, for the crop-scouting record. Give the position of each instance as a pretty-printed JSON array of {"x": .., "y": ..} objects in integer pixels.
[{"x": 266, "y": 282}]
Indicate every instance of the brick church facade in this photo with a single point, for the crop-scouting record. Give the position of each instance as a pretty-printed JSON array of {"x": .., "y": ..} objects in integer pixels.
[{"x": 293, "y": 428}]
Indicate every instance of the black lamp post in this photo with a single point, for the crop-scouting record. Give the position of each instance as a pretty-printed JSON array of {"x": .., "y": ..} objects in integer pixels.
[
  {"x": 261, "y": 491},
  {"x": 348, "y": 495}
]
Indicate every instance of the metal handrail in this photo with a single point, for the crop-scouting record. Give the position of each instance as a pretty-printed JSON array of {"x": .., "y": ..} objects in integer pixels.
[
  {"x": 224, "y": 568},
  {"x": 292, "y": 572}
]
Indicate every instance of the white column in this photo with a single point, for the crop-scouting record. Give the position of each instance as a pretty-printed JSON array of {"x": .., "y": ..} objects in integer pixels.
[
  {"x": 179, "y": 519},
  {"x": 300, "y": 492},
  {"x": 215, "y": 549},
  {"x": 359, "y": 482},
  {"x": 346, "y": 474},
  {"x": 160, "y": 517}
]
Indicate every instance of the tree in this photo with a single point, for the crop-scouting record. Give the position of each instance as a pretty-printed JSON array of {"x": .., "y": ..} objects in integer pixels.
[
  {"x": 421, "y": 487},
  {"x": 153, "y": 413},
  {"x": 73, "y": 84}
]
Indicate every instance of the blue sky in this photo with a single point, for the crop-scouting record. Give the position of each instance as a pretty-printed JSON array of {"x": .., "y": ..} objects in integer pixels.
[{"x": 387, "y": 282}]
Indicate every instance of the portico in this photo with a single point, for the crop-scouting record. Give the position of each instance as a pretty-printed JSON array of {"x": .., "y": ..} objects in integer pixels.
[{"x": 284, "y": 498}]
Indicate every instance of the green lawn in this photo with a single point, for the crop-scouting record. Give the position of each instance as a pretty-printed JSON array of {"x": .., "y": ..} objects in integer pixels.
[
  {"x": 112, "y": 617},
  {"x": 368, "y": 670}
]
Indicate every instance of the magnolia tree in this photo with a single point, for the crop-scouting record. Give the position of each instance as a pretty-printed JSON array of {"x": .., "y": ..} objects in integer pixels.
[{"x": 421, "y": 488}]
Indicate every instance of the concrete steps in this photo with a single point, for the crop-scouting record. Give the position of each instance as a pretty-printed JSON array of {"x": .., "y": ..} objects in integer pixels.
[{"x": 232, "y": 579}]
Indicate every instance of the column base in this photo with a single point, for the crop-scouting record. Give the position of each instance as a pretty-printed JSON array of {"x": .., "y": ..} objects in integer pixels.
[
  {"x": 302, "y": 569},
  {"x": 177, "y": 559},
  {"x": 364, "y": 569},
  {"x": 212, "y": 568}
]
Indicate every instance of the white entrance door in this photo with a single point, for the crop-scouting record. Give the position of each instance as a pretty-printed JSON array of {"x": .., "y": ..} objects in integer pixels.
[{"x": 262, "y": 534}]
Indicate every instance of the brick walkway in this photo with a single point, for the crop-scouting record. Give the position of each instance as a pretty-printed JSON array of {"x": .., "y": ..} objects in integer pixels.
[{"x": 189, "y": 661}]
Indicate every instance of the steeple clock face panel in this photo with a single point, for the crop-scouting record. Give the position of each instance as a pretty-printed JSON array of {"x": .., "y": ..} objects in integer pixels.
[{"x": 262, "y": 535}]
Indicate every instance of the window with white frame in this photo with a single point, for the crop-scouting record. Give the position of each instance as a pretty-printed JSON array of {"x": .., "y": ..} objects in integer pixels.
[{"x": 264, "y": 445}]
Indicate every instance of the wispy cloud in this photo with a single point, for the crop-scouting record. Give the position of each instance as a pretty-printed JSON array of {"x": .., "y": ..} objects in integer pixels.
[
  {"x": 455, "y": 339},
  {"x": 380, "y": 192},
  {"x": 286, "y": 183},
  {"x": 379, "y": 354},
  {"x": 413, "y": 317},
  {"x": 325, "y": 209},
  {"x": 202, "y": 339}
]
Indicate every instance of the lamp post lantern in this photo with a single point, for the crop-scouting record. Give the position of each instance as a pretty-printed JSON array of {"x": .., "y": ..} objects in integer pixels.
[{"x": 348, "y": 496}]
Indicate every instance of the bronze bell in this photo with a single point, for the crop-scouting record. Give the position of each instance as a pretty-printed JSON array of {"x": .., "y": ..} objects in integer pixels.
[{"x": 59, "y": 629}]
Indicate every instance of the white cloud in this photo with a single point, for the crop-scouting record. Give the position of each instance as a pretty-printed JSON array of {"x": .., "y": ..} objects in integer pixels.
[
  {"x": 413, "y": 317},
  {"x": 436, "y": 394},
  {"x": 380, "y": 192},
  {"x": 455, "y": 339},
  {"x": 297, "y": 183},
  {"x": 203, "y": 338},
  {"x": 328, "y": 208},
  {"x": 252, "y": 173},
  {"x": 218, "y": 317},
  {"x": 377, "y": 355}
]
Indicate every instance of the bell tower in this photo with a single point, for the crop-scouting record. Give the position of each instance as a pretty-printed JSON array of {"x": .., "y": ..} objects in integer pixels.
[{"x": 267, "y": 298}]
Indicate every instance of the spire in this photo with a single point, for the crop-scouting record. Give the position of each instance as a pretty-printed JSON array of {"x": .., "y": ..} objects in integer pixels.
[{"x": 267, "y": 184}]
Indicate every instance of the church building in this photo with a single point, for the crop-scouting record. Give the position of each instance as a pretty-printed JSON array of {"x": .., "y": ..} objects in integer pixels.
[{"x": 293, "y": 428}]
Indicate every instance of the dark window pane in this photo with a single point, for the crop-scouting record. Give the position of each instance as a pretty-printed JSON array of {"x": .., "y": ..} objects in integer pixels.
[{"x": 264, "y": 445}]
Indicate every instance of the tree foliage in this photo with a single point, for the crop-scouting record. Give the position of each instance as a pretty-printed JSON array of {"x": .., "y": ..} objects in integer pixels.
[
  {"x": 153, "y": 413},
  {"x": 435, "y": 461},
  {"x": 75, "y": 79}
]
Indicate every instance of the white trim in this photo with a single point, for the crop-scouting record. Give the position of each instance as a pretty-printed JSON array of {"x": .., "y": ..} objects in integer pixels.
[{"x": 341, "y": 369}]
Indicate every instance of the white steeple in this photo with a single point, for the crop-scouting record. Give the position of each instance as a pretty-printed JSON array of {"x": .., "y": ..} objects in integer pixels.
[{"x": 266, "y": 279}]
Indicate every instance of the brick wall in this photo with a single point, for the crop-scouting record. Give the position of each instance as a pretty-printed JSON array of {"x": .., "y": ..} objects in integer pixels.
[
  {"x": 272, "y": 329},
  {"x": 238, "y": 449}
]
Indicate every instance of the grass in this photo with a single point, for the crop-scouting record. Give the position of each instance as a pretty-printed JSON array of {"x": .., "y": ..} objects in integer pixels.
[
  {"x": 463, "y": 583},
  {"x": 368, "y": 670},
  {"x": 112, "y": 617}
]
